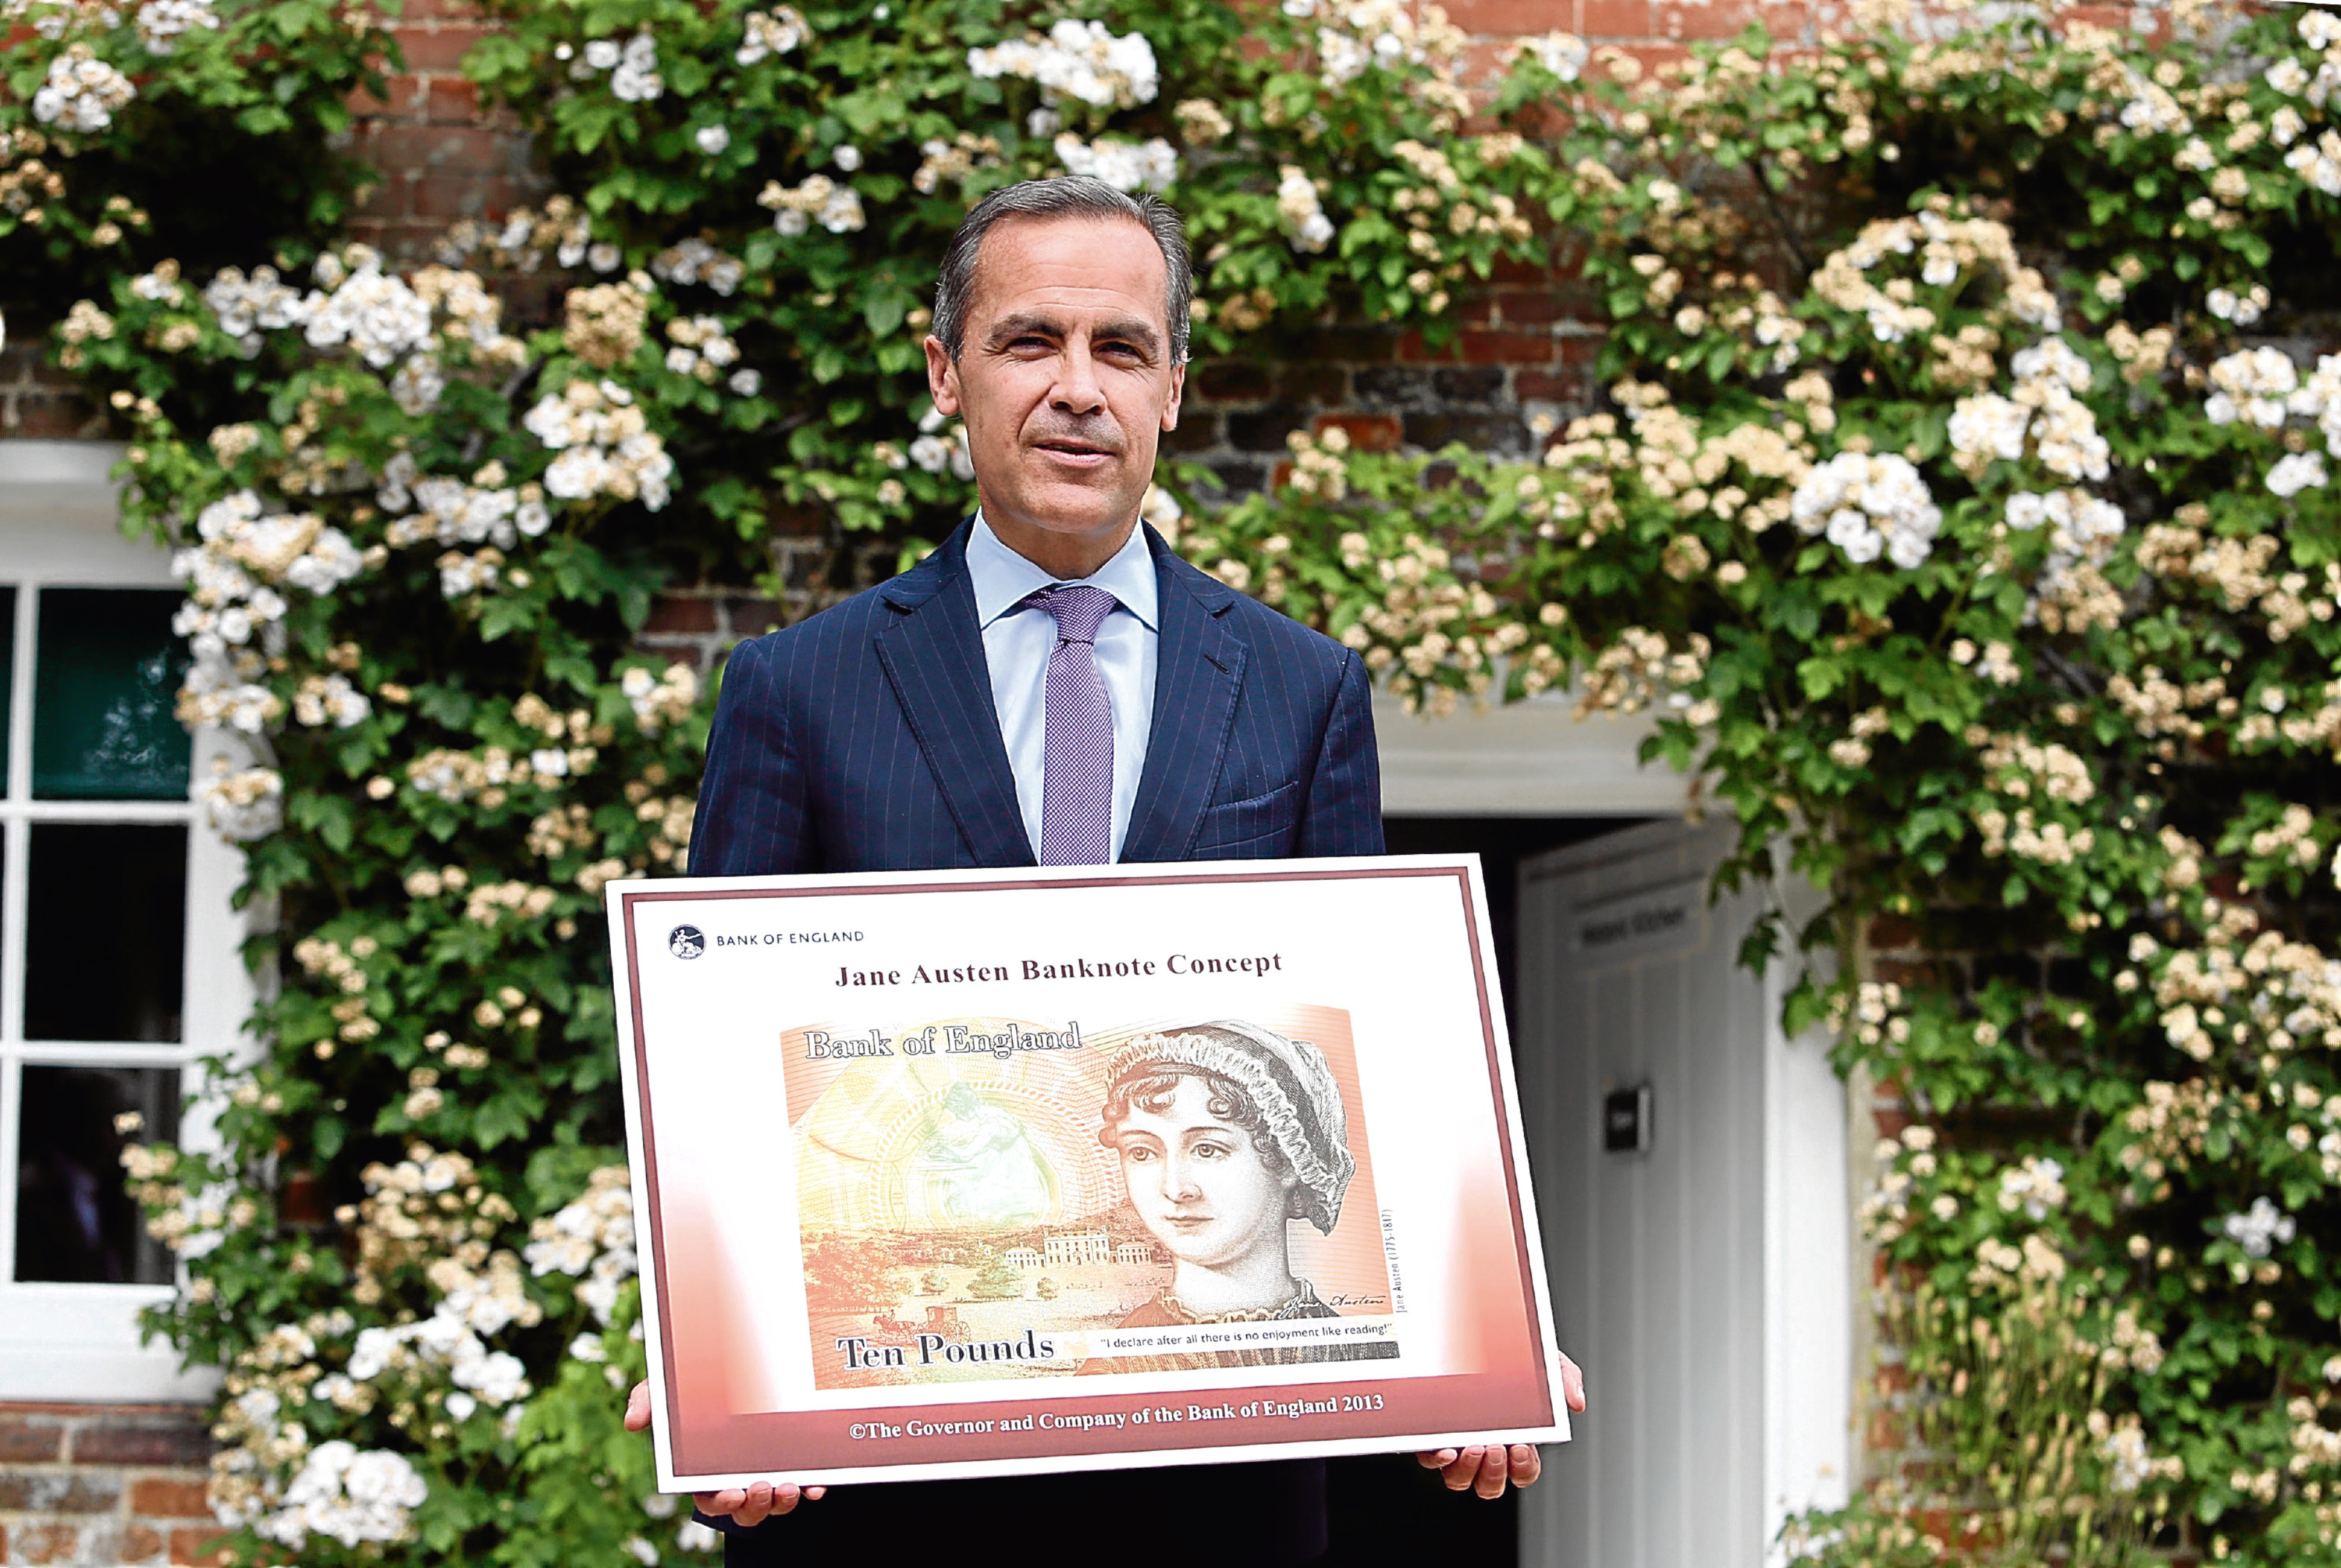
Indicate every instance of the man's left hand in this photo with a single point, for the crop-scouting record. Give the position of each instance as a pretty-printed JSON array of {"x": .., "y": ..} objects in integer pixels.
[{"x": 1486, "y": 1469}]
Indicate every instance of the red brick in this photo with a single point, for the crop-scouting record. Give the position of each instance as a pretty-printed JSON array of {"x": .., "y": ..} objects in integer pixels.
[
  {"x": 465, "y": 195},
  {"x": 443, "y": 47},
  {"x": 1366, "y": 431},
  {"x": 1720, "y": 21},
  {"x": 681, "y": 613},
  {"x": 1615, "y": 19},
  {"x": 450, "y": 101},
  {"x": 59, "y": 1492},
  {"x": 169, "y": 1497},
  {"x": 1414, "y": 349},
  {"x": 173, "y": 1439},
  {"x": 1511, "y": 15},
  {"x": 752, "y": 617},
  {"x": 1491, "y": 348},
  {"x": 1528, "y": 307},
  {"x": 187, "y": 1547},
  {"x": 141, "y": 1545},
  {"x": 29, "y": 1439},
  {"x": 1541, "y": 386},
  {"x": 45, "y": 1544}
]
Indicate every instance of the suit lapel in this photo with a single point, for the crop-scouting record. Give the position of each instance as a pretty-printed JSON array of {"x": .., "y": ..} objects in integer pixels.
[
  {"x": 1198, "y": 670},
  {"x": 933, "y": 653}
]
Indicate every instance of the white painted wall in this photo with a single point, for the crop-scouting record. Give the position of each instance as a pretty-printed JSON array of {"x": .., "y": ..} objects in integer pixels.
[
  {"x": 1702, "y": 1283},
  {"x": 1532, "y": 759}
]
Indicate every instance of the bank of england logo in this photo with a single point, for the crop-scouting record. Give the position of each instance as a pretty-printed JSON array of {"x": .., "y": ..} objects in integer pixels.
[{"x": 686, "y": 942}]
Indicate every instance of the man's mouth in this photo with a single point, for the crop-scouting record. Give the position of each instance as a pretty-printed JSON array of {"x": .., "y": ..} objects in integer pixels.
[{"x": 1074, "y": 449}]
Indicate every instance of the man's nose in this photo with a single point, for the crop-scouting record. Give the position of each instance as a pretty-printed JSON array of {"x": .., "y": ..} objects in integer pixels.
[{"x": 1077, "y": 391}]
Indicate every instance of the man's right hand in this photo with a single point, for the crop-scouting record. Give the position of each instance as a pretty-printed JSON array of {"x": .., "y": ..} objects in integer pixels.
[{"x": 745, "y": 1505}]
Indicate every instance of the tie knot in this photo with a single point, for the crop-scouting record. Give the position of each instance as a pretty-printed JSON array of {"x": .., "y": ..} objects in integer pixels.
[{"x": 1079, "y": 608}]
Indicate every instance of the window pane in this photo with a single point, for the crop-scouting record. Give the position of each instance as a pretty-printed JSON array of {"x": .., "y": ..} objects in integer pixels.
[
  {"x": 73, "y": 1219},
  {"x": 106, "y": 930},
  {"x": 104, "y": 688},
  {"x": 8, "y": 674}
]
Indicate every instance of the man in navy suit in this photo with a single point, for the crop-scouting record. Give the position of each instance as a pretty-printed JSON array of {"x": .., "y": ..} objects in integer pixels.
[{"x": 1052, "y": 685}]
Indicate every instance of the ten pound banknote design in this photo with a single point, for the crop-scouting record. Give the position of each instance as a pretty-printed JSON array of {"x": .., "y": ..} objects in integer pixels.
[{"x": 996, "y": 1198}]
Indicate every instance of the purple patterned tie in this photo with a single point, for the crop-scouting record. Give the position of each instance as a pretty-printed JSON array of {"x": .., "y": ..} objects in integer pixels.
[{"x": 1077, "y": 733}]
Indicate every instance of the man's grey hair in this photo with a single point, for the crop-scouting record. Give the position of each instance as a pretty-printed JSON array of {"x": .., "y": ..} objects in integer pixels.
[{"x": 1066, "y": 196}]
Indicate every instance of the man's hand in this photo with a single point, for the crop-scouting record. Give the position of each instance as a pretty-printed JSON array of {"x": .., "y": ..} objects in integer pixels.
[
  {"x": 750, "y": 1504},
  {"x": 1488, "y": 1468}
]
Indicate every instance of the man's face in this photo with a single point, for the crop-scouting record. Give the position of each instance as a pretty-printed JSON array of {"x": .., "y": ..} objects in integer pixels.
[
  {"x": 1198, "y": 1182},
  {"x": 1064, "y": 378}
]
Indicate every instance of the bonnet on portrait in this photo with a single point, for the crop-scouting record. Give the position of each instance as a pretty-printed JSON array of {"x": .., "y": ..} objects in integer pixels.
[{"x": 1286, "y": 1082}]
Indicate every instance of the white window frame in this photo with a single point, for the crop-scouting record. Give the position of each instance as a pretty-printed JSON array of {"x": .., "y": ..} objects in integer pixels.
[{"x": 59, "y": 527}]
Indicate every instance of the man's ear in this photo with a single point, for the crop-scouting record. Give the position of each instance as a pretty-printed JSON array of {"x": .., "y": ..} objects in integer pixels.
[
  {"x": 1178, "y": 388},
  {"x": 943, "y": 378}
]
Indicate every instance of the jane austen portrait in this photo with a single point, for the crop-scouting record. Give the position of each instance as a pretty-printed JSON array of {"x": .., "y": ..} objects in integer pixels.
[{"x": 1228, "y": 1133}]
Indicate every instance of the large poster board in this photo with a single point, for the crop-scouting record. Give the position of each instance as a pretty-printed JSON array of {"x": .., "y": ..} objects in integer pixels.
[{"x": 945, "y": 1173}]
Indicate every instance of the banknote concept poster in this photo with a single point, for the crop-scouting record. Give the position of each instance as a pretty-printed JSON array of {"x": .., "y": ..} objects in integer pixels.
[{"x": 967, "y": 1173}]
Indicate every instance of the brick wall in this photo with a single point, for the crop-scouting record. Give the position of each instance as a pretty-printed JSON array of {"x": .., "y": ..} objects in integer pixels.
[{"x": 103, "y": 1484}]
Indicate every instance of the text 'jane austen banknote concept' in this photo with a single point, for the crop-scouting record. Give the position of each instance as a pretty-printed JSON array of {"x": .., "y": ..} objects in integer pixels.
[{"x": 977, "y": 1173}]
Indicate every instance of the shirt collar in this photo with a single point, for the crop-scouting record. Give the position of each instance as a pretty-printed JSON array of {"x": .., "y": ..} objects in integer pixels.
[{"x": 1002, "y": 579}]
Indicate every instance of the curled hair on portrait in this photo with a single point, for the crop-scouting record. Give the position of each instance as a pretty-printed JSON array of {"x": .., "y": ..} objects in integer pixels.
[
  {"x": 1282, "y": 1091},
  {"x": 1152, "y": 1092}
]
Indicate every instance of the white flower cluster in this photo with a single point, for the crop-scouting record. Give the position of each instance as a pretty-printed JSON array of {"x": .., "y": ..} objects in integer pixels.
[
  {"x": 373, "y": 311},
  {"x": 1869, "y": 505},
  {"x": 324, "y": 700},
  {"x": 246, "y": 305},
  {"x": 1077, "y": 60},
  {"x": 694, "y": 261},
  {"x": 937, "y": 448},
  {"x": 234, "y": 579},
  {"x": 2042, "y": 410},
  {"x": 2258, "y": 1229},
  {"x": 659, "y": 700},
  {"x": 2151, "y": 109},
  {"x": 818, "y": 200},
  {"x": 244, "y": 805},
  {"x": 633, "y": 66},
  {"x": 1299, "y": 212},
  {"x": 1357, "y": 35},
  {"x": 606, "y": 446},
  {"x": 2253, "y": 386},
  {"x": 1148, "y": 165},
  {"x": 699, "y": 348},
  {"x": 82, "y": 93},
  {"x": 2261, "y": 387},
  {"x": 2036, "y": 1186},
  {"x": 450, "y": 511},
  {"x": 2082, "y": 529},
  {"x": 593, "y": 1238},
  {"x": 351, "y": 1495},
  {"x": 160, "y": 22},
  {"x": 1562, "y": 53},
  {"x": 1945, "y": 245},
  {"x": 2318, "y": 162},
  {"x": 2242, "y": 309},
  {"x": 775, "y": 31}
]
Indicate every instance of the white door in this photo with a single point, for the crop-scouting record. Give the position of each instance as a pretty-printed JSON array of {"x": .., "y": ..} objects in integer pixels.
[{"x": 1704, "y": 1282}]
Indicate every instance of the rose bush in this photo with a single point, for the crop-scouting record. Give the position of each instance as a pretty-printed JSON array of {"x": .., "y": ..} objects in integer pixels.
[{"x": 1959, "y": 503}]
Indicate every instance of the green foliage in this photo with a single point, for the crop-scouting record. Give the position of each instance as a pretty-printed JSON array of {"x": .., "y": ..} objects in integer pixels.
[
  {"x": 1957, "y": 516},
  {"x": 197, "y": 131}
]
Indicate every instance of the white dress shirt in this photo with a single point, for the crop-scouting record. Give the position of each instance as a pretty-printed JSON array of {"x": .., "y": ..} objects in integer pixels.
[{"x": 1017, "y": 646}]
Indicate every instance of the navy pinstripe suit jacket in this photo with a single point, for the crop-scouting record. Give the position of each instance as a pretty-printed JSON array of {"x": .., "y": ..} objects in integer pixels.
[{"x": 863, "y": 739}]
